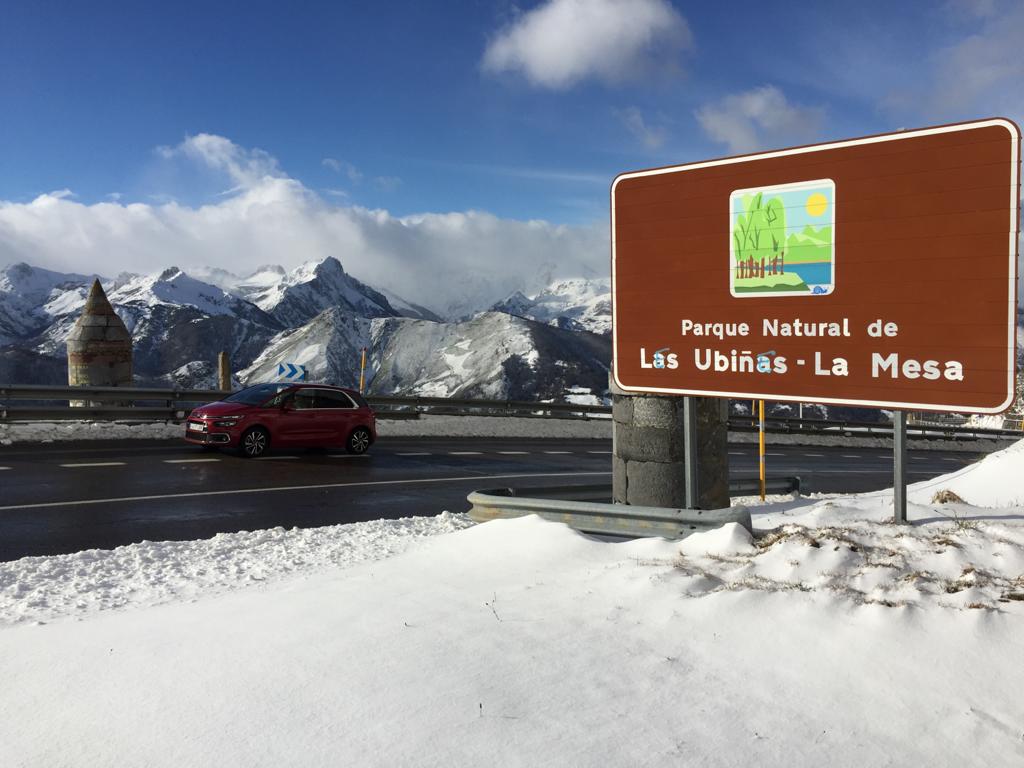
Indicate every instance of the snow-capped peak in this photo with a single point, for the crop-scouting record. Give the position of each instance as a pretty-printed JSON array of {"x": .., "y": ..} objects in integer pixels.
[
  {"x": 175, "y": 287},
  {"x": 573, "y": 303}
]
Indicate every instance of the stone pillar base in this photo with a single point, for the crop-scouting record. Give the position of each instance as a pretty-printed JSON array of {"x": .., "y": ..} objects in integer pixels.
[{"x": 648, "y": 460}]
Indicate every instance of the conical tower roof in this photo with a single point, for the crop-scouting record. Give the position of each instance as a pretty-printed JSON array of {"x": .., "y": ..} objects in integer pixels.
[
  {"x": 98, "y": 321},
  {"x": 97, "y": 302}
]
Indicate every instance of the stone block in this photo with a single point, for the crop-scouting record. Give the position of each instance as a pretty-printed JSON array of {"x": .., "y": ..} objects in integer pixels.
[
  {"x": 622, "y": 409},
  {"x": 653, "y": 411},
  {"x": 656, "y": 484},
  {"x": 648, "y": 443},
  {"x": 620, "y": 485}
]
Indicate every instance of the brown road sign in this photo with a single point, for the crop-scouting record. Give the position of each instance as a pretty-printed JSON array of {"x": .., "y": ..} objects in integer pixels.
[{"x": 878, "y": 271}]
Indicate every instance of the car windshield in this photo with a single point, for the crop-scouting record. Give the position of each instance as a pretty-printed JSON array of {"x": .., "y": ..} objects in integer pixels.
[{"x": 256, "y": 395}]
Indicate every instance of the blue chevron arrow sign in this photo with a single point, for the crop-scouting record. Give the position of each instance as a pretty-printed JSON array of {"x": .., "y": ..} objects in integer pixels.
[{"x": 292, "y": 371}]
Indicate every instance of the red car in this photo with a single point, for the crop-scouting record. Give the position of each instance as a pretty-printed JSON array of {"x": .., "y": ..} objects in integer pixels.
[{"x": 285, "y": 416}]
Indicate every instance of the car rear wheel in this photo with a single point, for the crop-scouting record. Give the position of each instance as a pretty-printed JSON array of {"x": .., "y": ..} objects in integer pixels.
[
  {"x": 359, "y": 441},
  {"x": 255, "y": 442}
]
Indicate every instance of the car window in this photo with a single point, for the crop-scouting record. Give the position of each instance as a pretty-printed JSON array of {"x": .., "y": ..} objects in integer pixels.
[
  {"x": 255, "y": 395},
  {"x": 282, "y": 397},
  {"x": 332, "y": 398},
  {"x": 303, "y": 400}
]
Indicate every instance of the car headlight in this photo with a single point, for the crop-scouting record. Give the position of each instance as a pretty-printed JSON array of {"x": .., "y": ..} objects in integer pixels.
[{"x": 227, "y": 421}]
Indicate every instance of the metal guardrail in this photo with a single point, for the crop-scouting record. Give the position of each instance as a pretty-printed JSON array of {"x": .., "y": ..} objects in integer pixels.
[
  {"x": 52, "y": 403},
  {"x": 752, "y": 486},
  {"x": 779, "y": 425},
  {"x": 594, "y": 517},
  {"x": 49, "y": 403}
]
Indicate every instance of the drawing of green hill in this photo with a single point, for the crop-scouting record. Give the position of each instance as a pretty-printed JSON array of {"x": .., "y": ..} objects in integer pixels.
[
  {"x": 789, "y": 282},
  {"x": 809, "y": 245}
]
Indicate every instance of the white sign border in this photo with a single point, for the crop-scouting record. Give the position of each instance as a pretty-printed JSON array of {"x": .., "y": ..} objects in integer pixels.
[{"x": 1011, "y": 343}]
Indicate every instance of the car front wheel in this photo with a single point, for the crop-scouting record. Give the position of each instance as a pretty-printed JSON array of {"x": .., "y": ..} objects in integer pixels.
[
  {"x": 358, "y": 441},
  {"x": 255, "y": 442}
]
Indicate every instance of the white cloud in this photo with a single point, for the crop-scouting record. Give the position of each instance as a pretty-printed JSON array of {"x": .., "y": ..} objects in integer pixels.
[
  {"x": 563, "y": 42},
  {"x": 342, "y": 166},
  {"x": 760, "y": 118},
  {"x": 975, "y": 8},
  {"x": 980, "y": 75},
  {"x": 650, "y": 136},
  {"x": 245, "y": 167},
  {"x": 446, "y": 261},
  {"x": 387, "y": 183}
]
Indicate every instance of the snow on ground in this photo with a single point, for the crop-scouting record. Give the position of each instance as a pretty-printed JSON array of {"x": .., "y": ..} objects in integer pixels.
[
  {"x": 830, "y": 637},
  {"x": 40, "y": 589}
]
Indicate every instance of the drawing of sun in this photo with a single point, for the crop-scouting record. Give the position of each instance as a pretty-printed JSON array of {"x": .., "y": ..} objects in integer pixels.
[{"x": 816, "y": 204}]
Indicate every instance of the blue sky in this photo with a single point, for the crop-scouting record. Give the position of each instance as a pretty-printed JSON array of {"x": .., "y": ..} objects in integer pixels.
[{"x": 520, "y": 111}]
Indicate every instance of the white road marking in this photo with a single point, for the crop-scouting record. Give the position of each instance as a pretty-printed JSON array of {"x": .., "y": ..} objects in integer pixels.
[
  {"x": 189, "y": 461},
  {"x": 814, "y": 455},
  {"x": 737, "y": 453},
  {"x": 945, "y": 459},
  {"x": 422, "y": 453},
  {"x": 919, "y": 458},
  {"x": 3, "y": 468},
  {"x": 514, "y": 453},
  {"x": 603, "y": 453},
  {"x": 350, "y": 455},
  {"x": 318, "y": 487},
  {"x": 774, "y": 454},
  {"x": 277, "y": 458},
  {"x": 464, "y": 453},
  {"x": 557, "y": 453},
  {"x": 96, "y": 464},
  {"x": 851, "y": 455}
]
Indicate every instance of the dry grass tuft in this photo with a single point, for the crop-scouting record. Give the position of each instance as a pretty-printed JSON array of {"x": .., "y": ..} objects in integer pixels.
[{"x": 947, "y": 496}]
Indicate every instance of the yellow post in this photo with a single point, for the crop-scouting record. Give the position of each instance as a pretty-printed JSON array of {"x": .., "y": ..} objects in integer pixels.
[
  {"x": 362, "y": 372},
  {"x": 761, "y": 443}
]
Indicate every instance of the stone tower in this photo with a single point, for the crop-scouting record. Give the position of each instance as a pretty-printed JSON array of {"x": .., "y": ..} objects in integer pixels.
[{"x": 99, "y": 347}]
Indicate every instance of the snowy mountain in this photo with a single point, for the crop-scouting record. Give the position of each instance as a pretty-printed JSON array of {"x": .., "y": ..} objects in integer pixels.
[
  {"x": 577, "y": 304},
  {"x": 30, "y": 297},
  {"x": 296, "y": 297},
  {"x": 316, "y": 315},
  {"x": 329, "y": 346},
  {"x": 494, "y": 355}
]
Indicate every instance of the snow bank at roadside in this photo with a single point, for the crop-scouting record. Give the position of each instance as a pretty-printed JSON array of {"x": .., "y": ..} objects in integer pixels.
[
  {"x": 459, "y": 426},
  {"x": 995, "y": 481},
  {"x": 425, "y": 426},
  {"x": 52, "y": 431},
  {"x": 149, "y": 573}
]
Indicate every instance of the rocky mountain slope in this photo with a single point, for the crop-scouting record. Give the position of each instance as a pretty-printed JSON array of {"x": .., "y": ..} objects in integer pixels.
[
  {"x": 493, "y": 355},
  {"x": 577, "y": 305}
]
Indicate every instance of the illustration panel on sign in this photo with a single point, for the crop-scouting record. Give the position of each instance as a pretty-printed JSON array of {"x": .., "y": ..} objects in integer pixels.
[{"x": 782, "y": 240}]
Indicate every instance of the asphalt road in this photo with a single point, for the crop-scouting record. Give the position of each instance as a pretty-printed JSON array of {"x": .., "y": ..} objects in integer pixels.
[{"x": 69, "y": 497}]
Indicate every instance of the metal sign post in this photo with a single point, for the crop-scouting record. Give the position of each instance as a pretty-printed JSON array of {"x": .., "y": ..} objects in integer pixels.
[
  {"x": 690, "y": 452},
  {"x": 760, "y": 421},
  {"x": 899, "y": 456}
]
